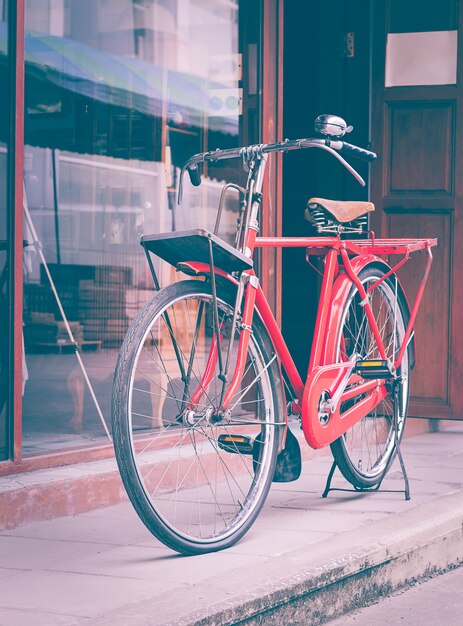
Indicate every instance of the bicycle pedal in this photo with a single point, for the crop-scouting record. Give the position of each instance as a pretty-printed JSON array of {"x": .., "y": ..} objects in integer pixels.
[
  {"x": 375, "y": 369},
  {"x": 236, "y": 444}
]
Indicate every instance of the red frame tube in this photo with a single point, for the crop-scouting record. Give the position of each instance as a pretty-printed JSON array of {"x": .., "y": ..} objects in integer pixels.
[
  {"x": 369, "y": 313},
  {"x": 208, "y": 374},
  {"x": 281, "y": 348},
  {"x": 297, "y": 242},
  {"x": 248, "y": 311},
  {"x": 414, "y": 311},
  {"x": 331, "y": 268}
]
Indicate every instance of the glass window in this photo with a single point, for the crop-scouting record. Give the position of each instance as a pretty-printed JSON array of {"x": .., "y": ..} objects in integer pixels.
[
  {"x": 4, "y": 125},
  {"x": 426, "y": 58},
  {"x": 119, "y": 93}
]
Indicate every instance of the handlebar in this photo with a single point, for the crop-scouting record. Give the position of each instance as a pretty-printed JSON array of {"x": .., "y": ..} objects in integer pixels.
[
  {"x": 248, "y": 153},
  {"x": 360, "y": 153},
  {"x": 195, "y": 178}
]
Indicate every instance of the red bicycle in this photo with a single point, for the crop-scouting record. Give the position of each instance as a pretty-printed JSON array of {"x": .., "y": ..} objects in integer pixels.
[{"x": 200, "y": 409}]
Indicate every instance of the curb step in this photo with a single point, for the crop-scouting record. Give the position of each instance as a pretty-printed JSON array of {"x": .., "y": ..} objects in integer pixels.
[{"x": 330, "y": 579}]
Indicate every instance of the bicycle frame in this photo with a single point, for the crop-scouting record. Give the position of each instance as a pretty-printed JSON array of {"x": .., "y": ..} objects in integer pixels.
[
  {"x": 344, "y": 260},
  {"x": 322, "y": 372}
]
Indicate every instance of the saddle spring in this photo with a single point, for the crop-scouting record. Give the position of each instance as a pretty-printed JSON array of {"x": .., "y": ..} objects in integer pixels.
[{"x": 324, "y": 222}]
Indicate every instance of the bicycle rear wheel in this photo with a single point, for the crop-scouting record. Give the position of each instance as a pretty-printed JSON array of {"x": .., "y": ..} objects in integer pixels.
[
  {"x": 365, "y": 452},
  {"x": 197, "y": 479}
]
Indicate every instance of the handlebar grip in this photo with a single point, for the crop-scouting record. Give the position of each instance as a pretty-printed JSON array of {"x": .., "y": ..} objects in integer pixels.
[
  {"x": 193, "y": 173},
  {"x": 360, "y": 153}
]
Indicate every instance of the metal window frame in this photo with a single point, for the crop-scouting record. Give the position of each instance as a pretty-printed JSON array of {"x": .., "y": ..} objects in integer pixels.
[{"x": 15, "y": 161}]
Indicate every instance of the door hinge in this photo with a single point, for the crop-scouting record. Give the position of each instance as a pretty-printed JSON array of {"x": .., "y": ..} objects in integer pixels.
[{"x": 349, "y": 45}]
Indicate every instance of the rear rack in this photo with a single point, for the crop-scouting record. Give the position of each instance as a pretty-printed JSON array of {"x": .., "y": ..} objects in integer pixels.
[
  {"x": 388, "y": 246},
  {"x": 321, "y": 245}
]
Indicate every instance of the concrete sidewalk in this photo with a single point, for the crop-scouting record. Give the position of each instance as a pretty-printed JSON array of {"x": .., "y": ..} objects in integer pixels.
[{"x": 306, "y": 560}]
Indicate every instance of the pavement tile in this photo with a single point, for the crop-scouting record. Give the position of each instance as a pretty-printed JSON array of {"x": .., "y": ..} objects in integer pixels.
[
  {"x": 116, "y": 513},
  {"x": 303, "y": 499},
  {"x": 75, "y": 594},
  {"x": 311, "y": 521},
  {"x": 26, "y": 553},
  {"x": 83, "y": 529},
  {"x": 148, "y": 563},
  {"x": 274, "y": 542},
  {"x": 18, "y": 617},
  {"x": 430, "y": 449},
  {"x": 424, "y": 472},
  {"x": 7, "y": 572}
]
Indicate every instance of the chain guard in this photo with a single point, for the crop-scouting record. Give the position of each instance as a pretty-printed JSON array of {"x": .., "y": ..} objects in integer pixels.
[{"x": 321, "y": 385}]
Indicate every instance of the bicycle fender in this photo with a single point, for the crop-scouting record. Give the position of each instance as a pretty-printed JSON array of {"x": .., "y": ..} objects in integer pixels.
[
  {"x": 341, "y": 290},
  {"x": 196, "y": 268}
]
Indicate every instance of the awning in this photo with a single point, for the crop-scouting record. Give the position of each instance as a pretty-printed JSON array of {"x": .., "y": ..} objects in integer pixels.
[{"x": 119, "y": 81}]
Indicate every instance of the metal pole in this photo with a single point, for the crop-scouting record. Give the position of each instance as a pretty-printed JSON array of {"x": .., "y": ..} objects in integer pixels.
[{"x": 38, "y": 247}]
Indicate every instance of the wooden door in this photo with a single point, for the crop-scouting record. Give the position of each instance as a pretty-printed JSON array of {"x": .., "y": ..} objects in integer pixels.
[{"x": 417, "y": 183}]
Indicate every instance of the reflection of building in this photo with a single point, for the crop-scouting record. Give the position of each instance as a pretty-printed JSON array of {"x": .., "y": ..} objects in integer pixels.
[{"x": 117, "y": 95}]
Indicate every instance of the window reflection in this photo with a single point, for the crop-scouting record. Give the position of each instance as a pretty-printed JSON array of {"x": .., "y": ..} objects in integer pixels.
[{"x": 118, "y": 95}]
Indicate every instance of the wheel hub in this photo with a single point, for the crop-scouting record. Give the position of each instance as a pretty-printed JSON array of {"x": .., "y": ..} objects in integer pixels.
[{"x": 208, "y": 417}]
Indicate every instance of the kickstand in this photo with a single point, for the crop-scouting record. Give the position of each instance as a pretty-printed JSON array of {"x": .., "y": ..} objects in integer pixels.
[{"x": 406, "y": 489}]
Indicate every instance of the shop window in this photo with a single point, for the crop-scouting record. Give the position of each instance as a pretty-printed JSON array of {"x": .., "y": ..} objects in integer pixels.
[{"x": 118, "y": 95}]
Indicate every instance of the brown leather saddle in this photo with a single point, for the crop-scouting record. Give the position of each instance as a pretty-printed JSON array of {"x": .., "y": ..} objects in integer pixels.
[{"x": 336, "y": 216}]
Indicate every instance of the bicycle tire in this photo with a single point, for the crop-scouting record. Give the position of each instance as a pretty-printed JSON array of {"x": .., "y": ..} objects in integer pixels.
[
  {"x": 197, "y": 479},
  {"x": 366, "y": 451}
]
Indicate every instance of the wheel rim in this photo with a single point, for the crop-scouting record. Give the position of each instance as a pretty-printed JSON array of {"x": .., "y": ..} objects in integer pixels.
[
  {"x": 370, "y": 443},
  {"x": 201, "y": 492}
]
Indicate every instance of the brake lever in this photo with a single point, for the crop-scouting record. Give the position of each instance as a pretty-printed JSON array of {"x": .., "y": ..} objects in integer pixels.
[{"x": 192, "y": 161}]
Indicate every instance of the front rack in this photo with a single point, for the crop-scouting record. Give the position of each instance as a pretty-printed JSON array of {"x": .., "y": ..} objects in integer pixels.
[{"x": 194, "y": 246}]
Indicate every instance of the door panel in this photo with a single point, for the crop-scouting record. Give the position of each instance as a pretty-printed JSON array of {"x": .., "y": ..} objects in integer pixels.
[
  {"x": 430, "y": 380},
  {"x": 420, "y": 137}
]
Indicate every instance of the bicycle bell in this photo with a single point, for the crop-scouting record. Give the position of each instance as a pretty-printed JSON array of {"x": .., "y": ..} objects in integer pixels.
[{"x": 331, "y": 125}]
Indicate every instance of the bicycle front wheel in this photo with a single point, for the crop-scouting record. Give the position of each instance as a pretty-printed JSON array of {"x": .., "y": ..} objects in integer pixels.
[
  {"x": 364, "y": 453},
  {"x": 197, "y": 479}
]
